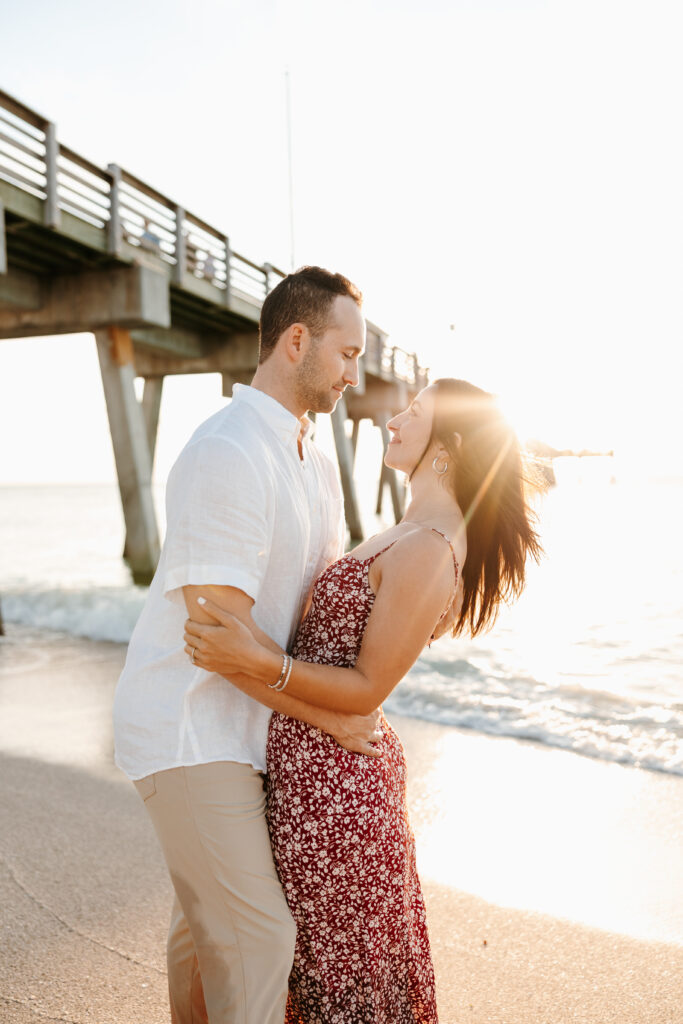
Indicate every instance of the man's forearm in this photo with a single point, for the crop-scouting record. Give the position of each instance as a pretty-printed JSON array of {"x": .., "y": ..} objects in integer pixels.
[
  {"x": 346, "y": 729},
  {"x": 293, "y": 707},
  {"x": 320, "y": 718}
]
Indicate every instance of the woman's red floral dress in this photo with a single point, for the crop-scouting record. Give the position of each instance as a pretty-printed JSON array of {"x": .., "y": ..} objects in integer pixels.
[{"x": 343, "y": 846}]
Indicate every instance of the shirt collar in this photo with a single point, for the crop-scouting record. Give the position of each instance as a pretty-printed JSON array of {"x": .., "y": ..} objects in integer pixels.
[{"x": 281, "y": 420}]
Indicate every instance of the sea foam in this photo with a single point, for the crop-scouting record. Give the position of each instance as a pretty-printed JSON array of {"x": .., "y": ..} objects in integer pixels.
[{"x": 96, "y": 613}]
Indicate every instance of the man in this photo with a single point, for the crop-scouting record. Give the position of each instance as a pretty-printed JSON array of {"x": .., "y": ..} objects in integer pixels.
[{"x": 254, "y": 513}]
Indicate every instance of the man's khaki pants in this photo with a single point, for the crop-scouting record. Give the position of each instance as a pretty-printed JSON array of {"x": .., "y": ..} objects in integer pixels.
[{"x": 231, "y": 941}]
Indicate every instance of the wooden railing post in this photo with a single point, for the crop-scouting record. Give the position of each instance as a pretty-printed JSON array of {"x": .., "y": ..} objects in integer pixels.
[
  {"x": 228, "y": 260},
  {"x": 114, "y": 233},
  {"x": 180, "y": 248},
  {"x": 52, "y": 217}
]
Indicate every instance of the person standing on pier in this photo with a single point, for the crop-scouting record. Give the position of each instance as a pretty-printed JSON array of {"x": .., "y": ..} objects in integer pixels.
[{"x": 254, "y": 514}]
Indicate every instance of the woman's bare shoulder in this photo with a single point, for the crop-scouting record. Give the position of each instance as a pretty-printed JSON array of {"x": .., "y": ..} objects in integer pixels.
[{"x": 421, "y": 552}]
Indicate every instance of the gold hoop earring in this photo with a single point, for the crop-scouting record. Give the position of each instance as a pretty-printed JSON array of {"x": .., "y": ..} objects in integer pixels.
[{"x": 439, "y": 472}]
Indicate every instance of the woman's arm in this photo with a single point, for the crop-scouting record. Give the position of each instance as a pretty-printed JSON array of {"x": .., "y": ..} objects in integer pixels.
[
  {"x": 415, "y": 585},
  {"x": 357, "y": 733}
]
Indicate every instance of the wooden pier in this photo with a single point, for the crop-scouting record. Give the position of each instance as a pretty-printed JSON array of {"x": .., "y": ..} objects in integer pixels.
[{"x": 89, "y": 249}]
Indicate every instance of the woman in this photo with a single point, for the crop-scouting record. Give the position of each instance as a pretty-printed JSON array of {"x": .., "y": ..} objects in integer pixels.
[{"x": 338, "y": 823}]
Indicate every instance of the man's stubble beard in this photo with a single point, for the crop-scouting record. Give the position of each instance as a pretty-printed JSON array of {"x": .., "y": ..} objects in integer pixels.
[{"x": 312, "y": 390}]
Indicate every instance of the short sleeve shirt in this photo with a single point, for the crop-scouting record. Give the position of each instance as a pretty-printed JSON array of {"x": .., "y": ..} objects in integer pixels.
[{"x": 243, "y": 510}]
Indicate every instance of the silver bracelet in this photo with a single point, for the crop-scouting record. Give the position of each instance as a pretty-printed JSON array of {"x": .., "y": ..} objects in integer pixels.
[
  {"x": 279, "y": 684},
  {"x": 276, "y": 684},
  {"x": 289, "y": 672}
]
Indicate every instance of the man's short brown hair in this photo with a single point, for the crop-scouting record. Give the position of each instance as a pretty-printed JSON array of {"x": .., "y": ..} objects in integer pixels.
[{"x": 304, "y": 297}]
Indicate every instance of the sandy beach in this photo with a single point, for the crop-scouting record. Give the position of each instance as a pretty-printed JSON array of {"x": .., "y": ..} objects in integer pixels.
[{"x": 554, "y": 883}]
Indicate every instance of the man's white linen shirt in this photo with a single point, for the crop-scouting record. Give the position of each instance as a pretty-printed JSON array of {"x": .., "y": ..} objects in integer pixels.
[{"x": 243, "y": 510}]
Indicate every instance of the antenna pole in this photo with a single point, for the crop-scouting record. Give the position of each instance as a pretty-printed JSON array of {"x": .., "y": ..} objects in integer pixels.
[{"x": 292, "y": 263}]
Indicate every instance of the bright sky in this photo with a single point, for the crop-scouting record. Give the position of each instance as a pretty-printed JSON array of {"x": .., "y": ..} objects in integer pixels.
[{"x": 510, "y": 168}]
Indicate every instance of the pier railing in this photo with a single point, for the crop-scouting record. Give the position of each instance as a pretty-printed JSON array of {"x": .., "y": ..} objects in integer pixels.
[
  {"x": 133, "y": 215},
  {"x": 130, "y": 211}
]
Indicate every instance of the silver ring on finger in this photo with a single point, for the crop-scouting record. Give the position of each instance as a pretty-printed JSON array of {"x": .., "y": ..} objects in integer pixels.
[{"x": 194, "y": 651}]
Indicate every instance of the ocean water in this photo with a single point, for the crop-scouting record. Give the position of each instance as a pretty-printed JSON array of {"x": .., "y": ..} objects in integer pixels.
[{"x": 590, "y": 659}]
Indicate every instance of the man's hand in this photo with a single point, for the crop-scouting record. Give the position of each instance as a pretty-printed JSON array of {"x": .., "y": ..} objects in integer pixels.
[{"x": 360, "y": 734}]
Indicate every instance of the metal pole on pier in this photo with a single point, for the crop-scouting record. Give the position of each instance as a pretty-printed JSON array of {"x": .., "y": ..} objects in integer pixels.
[{"x": 290, "y": 172}]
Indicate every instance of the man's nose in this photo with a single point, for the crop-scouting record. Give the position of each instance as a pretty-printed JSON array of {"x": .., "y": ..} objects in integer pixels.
[{"x": 352, "y": 376}]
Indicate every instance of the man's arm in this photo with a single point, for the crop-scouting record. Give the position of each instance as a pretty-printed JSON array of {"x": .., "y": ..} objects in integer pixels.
[
  {"x": 357, "y": 733},
  {"x": 416, "y": 582}
]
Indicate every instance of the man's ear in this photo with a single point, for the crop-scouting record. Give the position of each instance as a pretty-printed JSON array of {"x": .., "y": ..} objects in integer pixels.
[{"x": 295, "y": 341}]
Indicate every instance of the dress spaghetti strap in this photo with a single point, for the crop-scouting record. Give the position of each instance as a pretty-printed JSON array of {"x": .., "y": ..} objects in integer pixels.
[
  {"x": 372, "y": 558},
  {"x": 456, "y": 569},
  {"x": 456, "y": 565}
]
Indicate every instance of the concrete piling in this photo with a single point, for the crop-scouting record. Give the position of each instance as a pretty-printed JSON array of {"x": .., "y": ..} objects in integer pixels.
[
  {"x": 345, "y": 455},
  {"x": 129, "y": 434}
]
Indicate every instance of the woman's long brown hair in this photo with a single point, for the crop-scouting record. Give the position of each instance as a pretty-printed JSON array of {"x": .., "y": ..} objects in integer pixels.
[{"x": 486, "y": 474}]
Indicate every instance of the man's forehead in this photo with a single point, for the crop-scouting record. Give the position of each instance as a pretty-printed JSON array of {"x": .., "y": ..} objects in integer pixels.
[
  {"x": 349, "y": 321},
  {"x": 345, "y": 306}
]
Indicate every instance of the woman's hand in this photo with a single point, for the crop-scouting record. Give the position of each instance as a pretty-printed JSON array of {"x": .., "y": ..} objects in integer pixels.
[
  {"x": 227, "y": 648},
  {"x": 361, "y": 734}
]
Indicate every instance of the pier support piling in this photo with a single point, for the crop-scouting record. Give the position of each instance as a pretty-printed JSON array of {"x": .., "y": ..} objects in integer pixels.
[
  {"x": 345, "y": 457},
  {"x": 388, "y": 475},
  {"x": 354, "y": 441},
  {"x": 129, "y": 433},
  {"x": 151, "y": 404},
  {"x": 380, "y": 489}
]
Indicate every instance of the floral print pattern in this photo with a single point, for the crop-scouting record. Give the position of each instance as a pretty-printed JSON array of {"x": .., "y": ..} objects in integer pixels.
[{"x": 343, "y": 846}]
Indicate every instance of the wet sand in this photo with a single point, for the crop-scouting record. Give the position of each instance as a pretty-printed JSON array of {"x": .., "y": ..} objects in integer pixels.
[{"x": 86, "y": 898}]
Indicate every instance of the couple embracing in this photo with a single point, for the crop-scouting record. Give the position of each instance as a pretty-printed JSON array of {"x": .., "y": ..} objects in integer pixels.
[{"x": 297, "y": 899}]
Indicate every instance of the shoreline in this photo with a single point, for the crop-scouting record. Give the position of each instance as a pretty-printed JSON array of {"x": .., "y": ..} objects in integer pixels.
[{"x": 87, "y": 897}]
